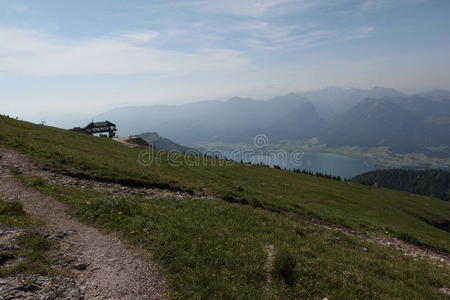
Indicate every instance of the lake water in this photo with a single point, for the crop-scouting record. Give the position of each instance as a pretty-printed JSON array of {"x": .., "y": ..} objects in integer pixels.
[{"x": 329, "y": 163}]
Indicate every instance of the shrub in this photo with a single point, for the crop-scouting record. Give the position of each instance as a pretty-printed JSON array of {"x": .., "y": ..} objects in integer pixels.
[
  {"x": 38, "y": 182},
  {"x": 11, "y": 209},
  {"x": 255, "y": 203},
  {"x": 285, "y": 266}
]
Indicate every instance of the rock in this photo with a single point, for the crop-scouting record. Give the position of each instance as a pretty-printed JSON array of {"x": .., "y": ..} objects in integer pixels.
[
  {"x": 59, "y": 235},
  {"x": 5, "y": 256},
  {"x": 80, "y": 266},
  {"x": 29, "y": 288},
  {"x": 445, "y": 291},
  {"x": 39, "y": 287}
]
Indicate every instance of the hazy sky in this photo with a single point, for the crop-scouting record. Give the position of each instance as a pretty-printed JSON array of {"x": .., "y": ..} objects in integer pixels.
[{"x": 92, "y": 55}]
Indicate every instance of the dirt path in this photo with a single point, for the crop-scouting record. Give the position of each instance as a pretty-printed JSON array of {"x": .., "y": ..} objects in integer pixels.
[
  {"x": 107, "y": 269},
  {"x": 26, "y": 166},
  {"x": 124, "y": 141}
]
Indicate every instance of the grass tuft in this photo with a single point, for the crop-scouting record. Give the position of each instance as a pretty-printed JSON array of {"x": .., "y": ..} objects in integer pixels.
[
  {"x": 33, "y": 251},
  {"x": 285, "y": 265},
  {"x": 12, "y": 214},
  {"x": 11, "y": 209}
]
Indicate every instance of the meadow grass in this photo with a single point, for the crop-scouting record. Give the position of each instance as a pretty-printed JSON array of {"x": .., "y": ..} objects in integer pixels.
[
  {"x": 355, "y": 206},
  {"x": 211, "y": 249}
]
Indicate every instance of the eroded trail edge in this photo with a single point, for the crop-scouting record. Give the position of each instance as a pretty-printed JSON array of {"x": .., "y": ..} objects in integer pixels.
[{"x": 108, "y": 269}]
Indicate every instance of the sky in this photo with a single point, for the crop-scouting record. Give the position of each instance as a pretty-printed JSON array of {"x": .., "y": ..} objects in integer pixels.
[{"x": 90, "y": 56}]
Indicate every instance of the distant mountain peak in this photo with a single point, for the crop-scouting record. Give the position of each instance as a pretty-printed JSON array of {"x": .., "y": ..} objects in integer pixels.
[
  {"x": 239, "y": 99},
  {"x": 436, "y": 94}
]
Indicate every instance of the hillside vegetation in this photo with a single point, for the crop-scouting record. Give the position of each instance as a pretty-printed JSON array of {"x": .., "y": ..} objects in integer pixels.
[
  {"x": 434, "y": 183},
  {"x": 352, "y": 205},
  {"x": 211, "y": 249}
]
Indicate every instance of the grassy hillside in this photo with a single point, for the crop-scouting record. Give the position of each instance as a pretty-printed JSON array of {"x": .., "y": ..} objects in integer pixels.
[
  {"x": 350, "y": 204},
  {"x": 211, "y": 249}
]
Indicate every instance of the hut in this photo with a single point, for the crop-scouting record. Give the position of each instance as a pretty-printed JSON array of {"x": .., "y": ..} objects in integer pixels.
[{"x": 99, "y": 128}]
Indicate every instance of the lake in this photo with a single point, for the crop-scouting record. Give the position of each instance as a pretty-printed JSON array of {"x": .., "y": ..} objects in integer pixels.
[{"x": 329, "y": 163}]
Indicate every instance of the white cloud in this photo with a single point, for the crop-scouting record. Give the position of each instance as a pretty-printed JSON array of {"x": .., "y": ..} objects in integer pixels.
[
  {"x": 382, "y": 4},
  {"x": 38, "y": 53},
  {"x": 261, "y": 8},
  {"x": 250, "y": 8},
  {"x": 140, "y": 36},
  {"x": 297, "y": 37}
]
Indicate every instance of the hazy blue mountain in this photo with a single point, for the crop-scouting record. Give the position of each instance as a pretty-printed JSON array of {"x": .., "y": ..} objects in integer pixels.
[
  {"x": 303, "y": 122},
  {"x": 356, "y": 117},
  {"x": 233, "y": 120},
  {"x": 133, "y": 120},
  {"x": 237, "y": 118},
  {"x": 406, "y": 124},
  {"x": 333, "y": 101},
  {"x": 435, "y": 95}
]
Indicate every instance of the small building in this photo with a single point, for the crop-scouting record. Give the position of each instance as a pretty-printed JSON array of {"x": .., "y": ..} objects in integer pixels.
[{"x": 98, "y": 128}]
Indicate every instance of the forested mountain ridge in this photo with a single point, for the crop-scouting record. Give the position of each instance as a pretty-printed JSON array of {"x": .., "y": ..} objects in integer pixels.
[{"x": 434, "y": 183}]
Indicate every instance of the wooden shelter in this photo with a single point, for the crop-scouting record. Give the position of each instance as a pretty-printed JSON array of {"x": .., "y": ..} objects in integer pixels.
[{"x": 94, "y": 128}]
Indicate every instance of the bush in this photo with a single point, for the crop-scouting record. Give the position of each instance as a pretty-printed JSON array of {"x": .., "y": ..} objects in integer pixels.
[
  {"x": 11, "y": 209},
  {"x": 255, "y": 203},
  {"x": 38, "y": 182},
  {"x": 285, "y": 266}
]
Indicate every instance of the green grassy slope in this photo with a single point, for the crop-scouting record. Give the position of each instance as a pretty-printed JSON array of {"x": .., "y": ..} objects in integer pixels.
[
  {"x": 349, "y": 204},
  {"x": 211, "y": 249}
]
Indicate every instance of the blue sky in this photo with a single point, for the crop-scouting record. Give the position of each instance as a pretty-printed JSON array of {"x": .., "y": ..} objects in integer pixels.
[{"x": 89, "y": 56}]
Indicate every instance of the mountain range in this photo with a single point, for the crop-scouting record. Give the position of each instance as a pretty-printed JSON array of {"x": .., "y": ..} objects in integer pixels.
[
  {"x": 406, "y": 124},
  {"x": 335, "y": 116}
]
